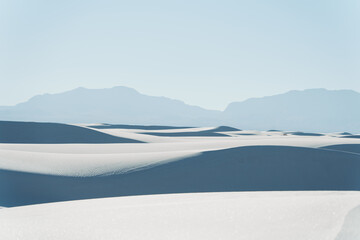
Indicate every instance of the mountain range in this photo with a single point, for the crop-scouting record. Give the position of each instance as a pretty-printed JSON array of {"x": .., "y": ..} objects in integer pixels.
[{"x": 317, "y": 110}]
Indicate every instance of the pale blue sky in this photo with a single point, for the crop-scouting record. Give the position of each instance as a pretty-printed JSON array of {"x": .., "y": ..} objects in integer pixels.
[{"x": 206, "y": 53}]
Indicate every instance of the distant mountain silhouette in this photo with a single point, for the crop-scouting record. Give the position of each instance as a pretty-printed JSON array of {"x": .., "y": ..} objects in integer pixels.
[
  {"x": 313, "y": 110},
  {"x": 114, "y": 105},
  {"x": 318, "y": 110}
]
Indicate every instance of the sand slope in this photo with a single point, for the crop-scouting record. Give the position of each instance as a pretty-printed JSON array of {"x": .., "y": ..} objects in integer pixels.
[
  {"x": 242, "y": 170},
  {"x": 45, "y": 133},
  {"x": 255, "y": 161},
  {"x": 254, "y": 168},
  {"x": 255, "y": 216}
]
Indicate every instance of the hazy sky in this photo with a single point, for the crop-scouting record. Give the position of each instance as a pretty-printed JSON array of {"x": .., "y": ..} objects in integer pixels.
[{"x": 206, "y": 53}]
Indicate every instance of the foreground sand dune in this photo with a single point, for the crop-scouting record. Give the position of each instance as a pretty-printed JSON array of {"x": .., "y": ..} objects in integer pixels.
[
  {"x": 225, "y": 182},
  {"x": 253, "y": 168},
  {"x": 254, "y": 161},
  {"x": 256, "y": 215}
]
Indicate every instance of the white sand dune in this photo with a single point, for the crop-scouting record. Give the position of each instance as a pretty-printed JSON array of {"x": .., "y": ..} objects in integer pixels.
[
  {"x": 350, "y": 229},
  {"x": 226, "y": 184},
  {"x": 257, "y": 215},
  {"x": 256, "y": 160},
  {"x": 84, "y": 164},
  {"x": 98, "y": 159},
  {"x": 251, "y": 168}
]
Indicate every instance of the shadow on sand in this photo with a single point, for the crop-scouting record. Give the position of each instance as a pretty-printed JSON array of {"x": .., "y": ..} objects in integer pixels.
[
  {"x": 354, "y": 148},
  {"x": 352, "y": 136},
  {"x": 140, "y": 127},
  {"x": 34, "y": 132},
  {"x": 216, "y": 132},
  {"x": 305, "y": 134},
  {"x": 254, "y": 168}
]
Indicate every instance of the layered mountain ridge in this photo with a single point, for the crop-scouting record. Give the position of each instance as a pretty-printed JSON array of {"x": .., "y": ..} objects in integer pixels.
[{"x": 318, "y": 110}]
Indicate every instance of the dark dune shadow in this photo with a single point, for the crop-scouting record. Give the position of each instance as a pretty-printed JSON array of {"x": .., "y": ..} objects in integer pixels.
[
  {"x": 355, "y": 148},
  {"x": 274, "y": 130},
  {"x": 246, "y": 134},
  {"x": 33, "y": 132},
  {"x": 225, "y": 129},
  {"x": 216, "y": 132},
  {"x": 141, "y": 127},
  {"x": 305, "y": 134},
  {"x": 188, "y": 134},
  {"x": 345, "y": 134},
  {"x": 352, "y": 136},
  {"x": 255, "y": 168}
]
